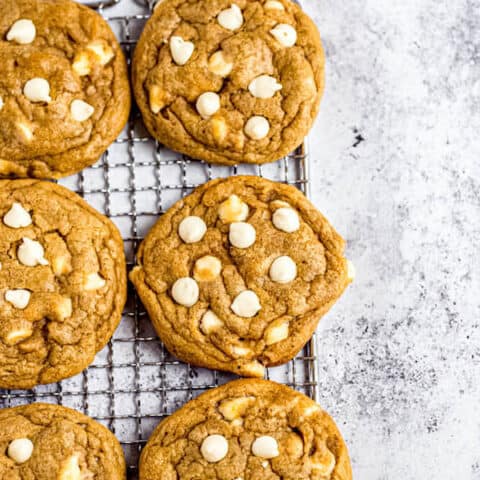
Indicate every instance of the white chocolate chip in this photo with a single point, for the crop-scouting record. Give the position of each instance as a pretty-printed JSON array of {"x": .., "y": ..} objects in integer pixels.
[
  {"x": 285, "y": 34},
  {"x": 192, "y": 229},
  {"x": 309, "y": 86},
  {"x": 214, "y": 448},
  {"x": 31, "y": 253},
  {"x": 242, "y": 234},
  {"x": 210, "y": 322},
  {"x": 181, "y": 50},
  {"x": 93, "y": 281},
  {"x": 22, "y": 31},
  {"x": 231, "y": 18},
  {"x": 265, "y": 447},
  {"x": 208, "y": 103},
  {"x": 238, "y": 422},
  {"x": 265, "y": 464},
  {"x": 157, "y": 98},
  {"x": 70, "y": 469},
  {"x": 81, "y": 110},
  {"x": 102, "y": 51},
  {"x": 95, "y": 52},
  {"x": 246, "y": 304},
  {"x": 264, "y": 86},
  {"x": 286, "y": 219},
  {"x": 17, "y": 217},
  {"x": 238, "y": 351},
  {"x": 18, "y": 298},
  {"x": 64, "y": 308},
  {"x": 311, "y": 410},
  {"x": 234, "y": 408},
  {"x": 254, "y": 369},
  {"x": 81, "y": 64},
  {"x": 207, "y": 269},
  {"x": 37, "y": 90},
  {"x": 61, "y": 265},
  {"x": 276, "y": 333},
  {"x": 257, "y": 127},
  {"x": 283, "y": 270},
  {"x": 16, "y": 336},
  {"x": 219, "y": 128},
  {"x": 20, "y": 450},
  {"x": 233, "y": 209},
  {"x": 351, "y": 272},
  {"x": 25, "y": 131},
  {"x": 273, "y": 5},
  {"x": 185, "y": 291},
  {"x": 1, "y": 103},
  {"x": 219, "y": 65}
]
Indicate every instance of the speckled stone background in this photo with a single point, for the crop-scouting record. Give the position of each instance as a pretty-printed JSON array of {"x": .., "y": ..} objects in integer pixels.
[{"x": 396, "y": 168}]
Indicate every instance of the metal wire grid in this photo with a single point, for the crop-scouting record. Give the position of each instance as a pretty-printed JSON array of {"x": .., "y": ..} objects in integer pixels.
[{"x": 134, "y": 382}]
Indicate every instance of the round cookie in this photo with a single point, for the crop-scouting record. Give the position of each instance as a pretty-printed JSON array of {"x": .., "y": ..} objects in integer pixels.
[
  {"x": 62, "y": 283},
  {"x": 247, "y": 429},
  {"x": 45, "y": 442},
  {"x": 64, "y": 90},
  {"x": 229, "y": 81},
  {"x": 237, "y": 275}
]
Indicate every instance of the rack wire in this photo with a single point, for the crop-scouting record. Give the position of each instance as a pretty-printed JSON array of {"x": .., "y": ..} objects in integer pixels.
[{"x": 134, "y": 382}]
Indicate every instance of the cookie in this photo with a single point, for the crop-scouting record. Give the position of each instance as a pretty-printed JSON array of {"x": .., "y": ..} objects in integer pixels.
[
  {"x": 237, "y": 275},
  {"x": 247, "y": 429},
  {"x": 45, "y": 442},
  {"x": 64, "y": 90},
  {"x": 229, "y": 81},
  {"x": 62, "y": 283}
]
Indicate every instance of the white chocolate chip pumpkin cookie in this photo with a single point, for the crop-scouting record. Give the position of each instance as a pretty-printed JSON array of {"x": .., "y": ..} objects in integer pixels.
[
  {"x": 50, "y": 442},
  {"x": 62, "y": 283},
  {"x": 237, "y": 275},
  {"x": 229, "y": 81},
  {"x": 64, "y": 92},
  {"x": 247, "y": 429}
]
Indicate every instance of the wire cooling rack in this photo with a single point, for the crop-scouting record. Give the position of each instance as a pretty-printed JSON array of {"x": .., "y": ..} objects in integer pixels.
[{"x": 134, "y": 382}]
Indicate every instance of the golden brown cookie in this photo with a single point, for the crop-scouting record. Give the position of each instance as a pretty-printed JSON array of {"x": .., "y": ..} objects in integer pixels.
[
  {"x": 237, "y": 275},
  {"x": 247, "y": 429},
  {"x": 62, "y": 283},
  {"x": 64, "y": 91},
  {"x": 229, "y": 81},
  {"x": 50, "y": 442}
]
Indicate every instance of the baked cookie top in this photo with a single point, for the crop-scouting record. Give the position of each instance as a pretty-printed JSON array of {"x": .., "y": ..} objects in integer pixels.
[
  {"x": 62, "y": 283},
  {"x": 247, "y": 429},
  {"x": 50, "y": 442},
  {"x": 229, "y": 81},
  {"x": 64, "y": 92},
  {"x": 236, "y": 275}
]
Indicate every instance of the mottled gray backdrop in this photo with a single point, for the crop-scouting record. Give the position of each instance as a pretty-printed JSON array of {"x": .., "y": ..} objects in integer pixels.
[{"x": 396, "y": 168}]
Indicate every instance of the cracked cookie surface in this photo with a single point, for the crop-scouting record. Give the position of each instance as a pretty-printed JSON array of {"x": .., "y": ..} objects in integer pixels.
[
  {"x": 62, "y": 283},
  {"x": 247, "y": 430},
  {"x": 49, "y": 442},
  {"x": 229, "y": 81},
  {"x": 236, "y": 275},
  {"x": 64, "y": 91}
]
